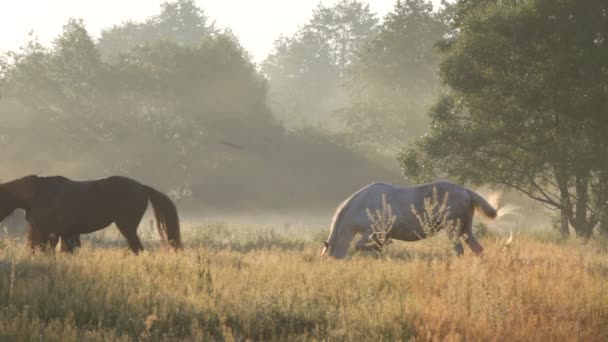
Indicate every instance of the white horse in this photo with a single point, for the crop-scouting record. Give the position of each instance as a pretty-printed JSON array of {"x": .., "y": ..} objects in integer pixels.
[{"x": 351, "y": 217}]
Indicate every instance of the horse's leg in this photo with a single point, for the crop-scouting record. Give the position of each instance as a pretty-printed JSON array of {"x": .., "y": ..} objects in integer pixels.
[
  {"x": 70, "y": 243},
  {"x": 458, "y": 248},
  {"x": 129, "y": 231},
  {"x": 470, "y": 239},
  {"x": 53, "y": 241},
  {"x": 455, "y": 238},
  {"x": 76, "y": 243},
  {"x": 37, "y": 240},
  {"x": 128, "y": 222},
  {"x": 362, "y": 244},
  {"x": 474, "y": 244}
]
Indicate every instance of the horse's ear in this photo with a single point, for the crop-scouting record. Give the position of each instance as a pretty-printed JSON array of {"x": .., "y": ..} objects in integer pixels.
[{"x": 326, "y": 244}]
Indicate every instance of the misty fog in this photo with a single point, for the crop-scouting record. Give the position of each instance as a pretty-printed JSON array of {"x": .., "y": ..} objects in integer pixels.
[{"x": 177, "y": 102}]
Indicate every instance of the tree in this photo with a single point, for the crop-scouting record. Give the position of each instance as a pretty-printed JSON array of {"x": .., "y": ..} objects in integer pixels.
[
  {"x": 180, "y": 21},
  {"x": 306, "y": 71},
  {"x": 344, "y": 28},
  {"x": 192, "y": 119},
  {"x": 77, "y": 71},
  {"x": 393, "y": 82},
  {"x": 526, "y": 105},
  {"x": 62, "y": 84}
]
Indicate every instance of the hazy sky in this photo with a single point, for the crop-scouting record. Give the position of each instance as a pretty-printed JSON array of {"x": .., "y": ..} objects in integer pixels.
[{"x": 256, "y": 22}]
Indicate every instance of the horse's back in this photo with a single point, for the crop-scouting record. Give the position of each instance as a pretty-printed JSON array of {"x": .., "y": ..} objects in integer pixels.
[
  {"x": 354, "y": 212},
  {"x": 86, "y": 206},
  {"x": 456, "y": 197},
  {"x": 65, "y": 188},
  {"x": 116, "y": 193},
  {"x": 402, "y": 199},
  {"x": 374, "y": 192}
]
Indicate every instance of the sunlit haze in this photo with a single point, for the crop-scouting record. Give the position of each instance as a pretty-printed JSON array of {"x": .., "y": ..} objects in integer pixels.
[{"x": 256, "y": 23}]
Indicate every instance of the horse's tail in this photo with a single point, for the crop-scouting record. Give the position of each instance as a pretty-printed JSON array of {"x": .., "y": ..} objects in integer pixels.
[
  {"x": 481, "y": 205},
  {"x": 167, "y": 220}
]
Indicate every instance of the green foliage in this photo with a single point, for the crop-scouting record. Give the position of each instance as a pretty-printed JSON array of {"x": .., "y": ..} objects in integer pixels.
[
  {"x": 527, "y": 99},
  {"x": 183, "y": 108},
  {"x": 180, "y": 21},
  {"x": 393, "y": 82},
  {"x": 306, "y": 71}
]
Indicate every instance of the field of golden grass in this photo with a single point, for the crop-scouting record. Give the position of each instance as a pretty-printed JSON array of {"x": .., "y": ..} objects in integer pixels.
[{"x": 256, "y": 283}]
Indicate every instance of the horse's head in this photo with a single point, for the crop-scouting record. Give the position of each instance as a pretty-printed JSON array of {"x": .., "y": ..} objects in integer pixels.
[
  {"x": 335, "y": 250},
  {"x": 7, "y": 204}
]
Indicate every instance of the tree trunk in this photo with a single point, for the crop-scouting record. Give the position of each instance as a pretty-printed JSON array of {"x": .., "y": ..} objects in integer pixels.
[
  {"x": 565, "y": 211},
  {"x": 581, "y": 223},
  {"x": 601, "y": 192},
  {"x": 603, "y": 227},
  {"x": 603, "y": 221},
  {"x": 564, "y": 226}
]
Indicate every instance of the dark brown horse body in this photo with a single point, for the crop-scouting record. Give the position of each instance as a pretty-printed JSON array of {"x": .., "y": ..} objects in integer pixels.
[{"x": 57, "y": 207}]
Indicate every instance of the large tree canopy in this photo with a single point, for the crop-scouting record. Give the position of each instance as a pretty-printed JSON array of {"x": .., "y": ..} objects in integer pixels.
[
  {"x": 180, "y": 22},
  {"x": 527, "y": 105},
  {"x": 393, "y": 82},
  {"x": 184, "y": 109},
  {"x": 306, "y": 72}
]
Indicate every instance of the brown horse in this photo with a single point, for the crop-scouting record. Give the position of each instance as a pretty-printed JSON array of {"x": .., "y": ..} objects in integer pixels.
[{"x": 57, "y": 207}]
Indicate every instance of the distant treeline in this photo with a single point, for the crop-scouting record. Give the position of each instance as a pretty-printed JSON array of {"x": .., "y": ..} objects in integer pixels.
[
  {"x": 525, "y": 107},
  {"x": 511, "y": 94},
  {"x": 178, "y": 103}
]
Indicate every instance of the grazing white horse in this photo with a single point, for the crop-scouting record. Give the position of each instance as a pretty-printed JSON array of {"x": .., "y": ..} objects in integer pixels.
[{"x": 351, "y": 217}]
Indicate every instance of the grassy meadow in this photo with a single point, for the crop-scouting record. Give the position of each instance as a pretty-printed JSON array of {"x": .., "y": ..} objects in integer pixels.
[{"x": 238, "y": 282}]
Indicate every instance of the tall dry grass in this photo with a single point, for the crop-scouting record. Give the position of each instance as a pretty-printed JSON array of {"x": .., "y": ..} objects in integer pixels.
[{"x": 235, "y": 283}]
